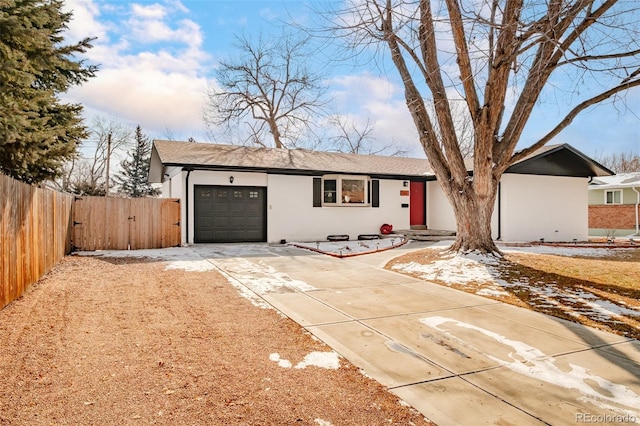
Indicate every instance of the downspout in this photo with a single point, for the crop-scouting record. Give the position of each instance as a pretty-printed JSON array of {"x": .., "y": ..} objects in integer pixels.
[
  {"x": 637, "y": 204},
  {"x": 186, "y": 202},
  {"x": 499, "y": 211}
]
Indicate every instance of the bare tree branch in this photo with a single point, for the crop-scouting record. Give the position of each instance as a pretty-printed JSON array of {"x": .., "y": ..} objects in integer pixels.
[
  {"x": 269, "y": 88},
  {"x": 502, "y": 58}
]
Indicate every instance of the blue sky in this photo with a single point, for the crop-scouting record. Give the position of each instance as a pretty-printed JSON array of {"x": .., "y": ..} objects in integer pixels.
[{"x": 157, "y": 59}]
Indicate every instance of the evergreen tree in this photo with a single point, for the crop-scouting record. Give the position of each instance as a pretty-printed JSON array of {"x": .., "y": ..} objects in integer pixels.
[
  {"x": 133, "y": 180},
  {"x": 38, "y": 133}
]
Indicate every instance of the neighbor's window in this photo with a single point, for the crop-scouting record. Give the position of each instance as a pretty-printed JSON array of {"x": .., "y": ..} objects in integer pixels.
[
  {"x": 613, "y": 197},
  {"x": 345, "y": 190}
]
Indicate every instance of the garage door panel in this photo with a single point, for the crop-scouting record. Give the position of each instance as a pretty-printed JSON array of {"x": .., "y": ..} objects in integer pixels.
[{"x": 229, "y": 214}]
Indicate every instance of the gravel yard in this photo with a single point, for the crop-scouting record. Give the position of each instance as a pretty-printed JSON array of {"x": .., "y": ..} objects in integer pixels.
[{"x": 103, "y": 341}]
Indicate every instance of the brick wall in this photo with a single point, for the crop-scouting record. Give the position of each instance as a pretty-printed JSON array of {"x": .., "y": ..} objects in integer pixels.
[{"x": 612, "y": 217}]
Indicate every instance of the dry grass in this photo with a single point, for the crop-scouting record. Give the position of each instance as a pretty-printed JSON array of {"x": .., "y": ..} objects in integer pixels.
[
  {"x": 573, "y": 288},
  {"x": 621, "y": 269},
  {"x": 125, "y": 342}
]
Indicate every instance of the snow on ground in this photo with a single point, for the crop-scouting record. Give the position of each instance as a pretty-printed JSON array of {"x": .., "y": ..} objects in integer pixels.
[
  {"x": 238, "y": 263},
  {"x": 532, "y": 362},
  {"x": 328, "y": 360},
  {"x": 260, "y": 277},
  {"x": 465, "y": 269},
  {"x": 185, "y": 258}
]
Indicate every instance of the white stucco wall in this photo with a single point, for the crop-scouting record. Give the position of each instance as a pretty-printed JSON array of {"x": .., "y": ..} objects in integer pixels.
[
  {"x": 551, "y": 207},
  {"x": 531, "y": 207},
  {"x": 290, "y": 212},
  {"x": 292, "y": 217},
  {"x": 439, "y": 212}
]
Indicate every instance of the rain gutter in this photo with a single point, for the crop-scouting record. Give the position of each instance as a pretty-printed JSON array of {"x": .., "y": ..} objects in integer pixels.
[
  {"x": 186, "y": 202},
  {"x": 637, "y": 204}
]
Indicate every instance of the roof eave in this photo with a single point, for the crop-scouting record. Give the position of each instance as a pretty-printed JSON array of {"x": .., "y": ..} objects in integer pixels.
[
  {"x": 570, "y": 169},
  {"x": 298, "y": 172}
]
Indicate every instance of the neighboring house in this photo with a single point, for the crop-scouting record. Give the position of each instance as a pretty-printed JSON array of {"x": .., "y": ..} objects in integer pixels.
[
  {"x": 235, "y": 193},
  {"x": 614, "y": 205}
]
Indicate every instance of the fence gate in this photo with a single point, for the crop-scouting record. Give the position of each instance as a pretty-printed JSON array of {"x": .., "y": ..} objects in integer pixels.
[{"x": 105, "y": 223}]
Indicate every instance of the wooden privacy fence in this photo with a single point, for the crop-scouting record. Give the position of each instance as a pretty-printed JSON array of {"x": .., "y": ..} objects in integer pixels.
[
  {"x": 39, "y": 227},
  {"x": 101, "y": 223},
  {"x": 35, "y": 233}
]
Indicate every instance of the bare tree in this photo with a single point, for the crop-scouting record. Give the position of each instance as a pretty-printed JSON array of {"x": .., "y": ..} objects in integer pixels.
[
  {"x": 500, "y": 57},
  {"x": 354, "y": 139},
  {"x": 621, "y": 162},
  {"x": 86, "y": 174},
  {"x": 270, "y": 88},
  {"x": 463, "y": 126}
]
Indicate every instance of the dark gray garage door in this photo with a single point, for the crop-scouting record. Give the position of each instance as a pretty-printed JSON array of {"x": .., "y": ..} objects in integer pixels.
[{"x": 229, "y": 214}]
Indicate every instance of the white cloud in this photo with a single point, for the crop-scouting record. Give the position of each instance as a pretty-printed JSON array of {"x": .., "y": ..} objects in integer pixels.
[
  {"x": 382, "y": 102},
  {"x": 153, "y": 11},
  {"x": 85, "y": 20},
  {"x": 152, "y": 66}
]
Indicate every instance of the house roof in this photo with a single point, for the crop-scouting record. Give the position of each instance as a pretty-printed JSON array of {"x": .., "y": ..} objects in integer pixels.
[
  {"x": 559, "y": 160},
  {"x": 623, "y": 180},
  {"x": 299, "y": 161},
  {"x": 562, "y": 160}
]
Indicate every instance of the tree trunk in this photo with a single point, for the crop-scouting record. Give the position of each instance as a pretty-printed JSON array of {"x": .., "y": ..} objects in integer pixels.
[
  {"x": 275, "y": 131},
  {"x": 473, "y": 217}
]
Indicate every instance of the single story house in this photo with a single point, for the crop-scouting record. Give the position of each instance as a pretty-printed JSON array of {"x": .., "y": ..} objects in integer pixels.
[
  {"x": 614, "y": 205},
  {"x": 233, "y": 193}
]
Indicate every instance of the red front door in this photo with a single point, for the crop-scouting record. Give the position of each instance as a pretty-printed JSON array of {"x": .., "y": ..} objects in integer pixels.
[{"x": 417, "y": 203}]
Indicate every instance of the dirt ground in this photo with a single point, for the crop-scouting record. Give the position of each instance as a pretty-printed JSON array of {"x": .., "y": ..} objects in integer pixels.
[{"x": 124, "y": 341}]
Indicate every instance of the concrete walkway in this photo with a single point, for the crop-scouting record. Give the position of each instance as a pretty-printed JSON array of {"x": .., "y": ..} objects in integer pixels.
[{"x": 458, "y": 358}]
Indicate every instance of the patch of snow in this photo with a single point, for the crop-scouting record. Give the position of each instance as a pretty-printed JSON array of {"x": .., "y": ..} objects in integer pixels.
[
  {"x": 491, "y": 292},
  {"x": 471, "y": 268},
  {"x": 328, "y": 360},
  {"x": 543, "y": 249},
  {"x": 262, "y": 278},
  {"x": 182, "y": 258},
  {"x": 281, "y": 362},
  {"x": 245, "y": 291},
  {"x": 459, "y": 269},
  {"x": 532, "y": 362},
  {"x": 561, "y": 251},
  {"x": 172, "y": 253},
  {"x": 191, "y": 265}
]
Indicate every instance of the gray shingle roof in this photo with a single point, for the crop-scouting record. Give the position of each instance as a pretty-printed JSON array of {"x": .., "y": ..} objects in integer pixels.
[
  {"x": 298, "y": 160},
  {"x": 560, "y": 160}
]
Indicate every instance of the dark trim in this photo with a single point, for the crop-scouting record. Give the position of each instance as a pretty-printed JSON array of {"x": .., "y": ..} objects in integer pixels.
[
  {"x": 186, "y": 199},
  {"x": 317, "y": 192},
  {"x": 499, "y": 211},
  {"x": 562, "y": 160},
  {"x": 296, "y": 172},
  {"x": 375, "y": 193}
]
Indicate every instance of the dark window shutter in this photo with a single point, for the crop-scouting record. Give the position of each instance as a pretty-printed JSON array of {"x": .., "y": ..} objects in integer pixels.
[
  {"x": 317, "y": 192},
  {"x": 375, "y": 193}
]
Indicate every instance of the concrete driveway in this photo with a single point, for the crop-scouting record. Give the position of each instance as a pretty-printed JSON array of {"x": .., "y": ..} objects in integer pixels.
[{"x": 458, "y": 358}]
